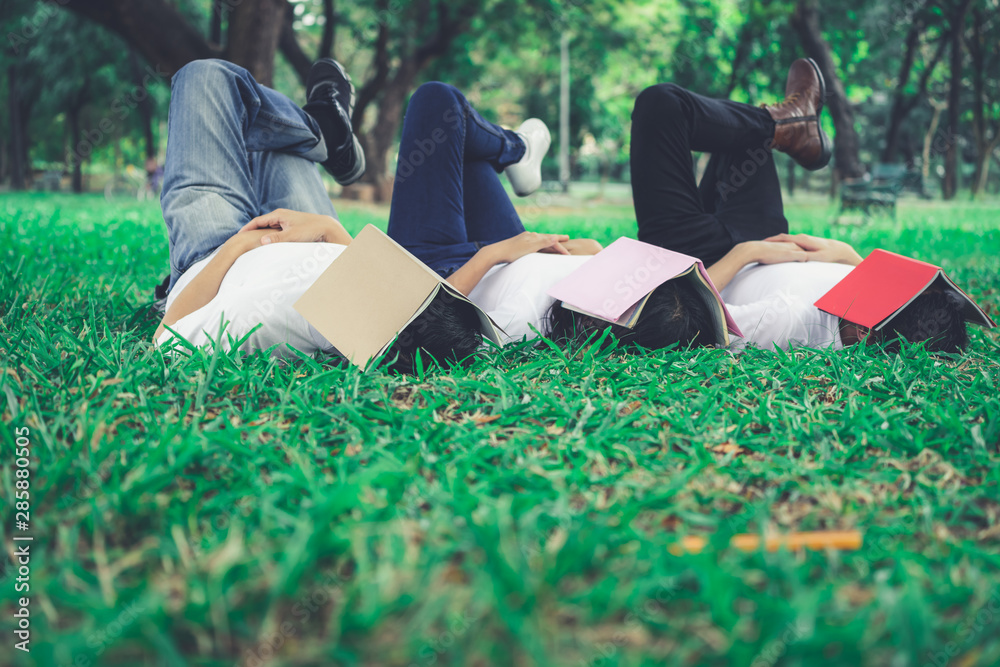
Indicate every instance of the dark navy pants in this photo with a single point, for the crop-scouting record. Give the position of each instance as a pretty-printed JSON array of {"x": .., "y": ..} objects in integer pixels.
[
  {"x": 447, "y": 199},
  {"x": 739, "y": 197}
]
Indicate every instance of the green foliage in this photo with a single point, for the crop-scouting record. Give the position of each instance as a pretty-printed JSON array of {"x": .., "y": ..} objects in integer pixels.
[
  {"x": 507, "y": 59},
  {"x": 67, "y": 63},
  {"x": 217, "y": 509}
]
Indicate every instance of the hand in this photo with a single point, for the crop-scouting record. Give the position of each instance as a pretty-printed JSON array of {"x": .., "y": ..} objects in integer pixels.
[
  {"x": 582, "y": 246},
  {"x": 775, "y": 252},
  {"x": 296, "y": 226},
  {"x": 246, "y": 240},
  {"x": 820, "y": 249},
  {"x": 526, "y": 243},
  {"x": 750, "y": 252}
]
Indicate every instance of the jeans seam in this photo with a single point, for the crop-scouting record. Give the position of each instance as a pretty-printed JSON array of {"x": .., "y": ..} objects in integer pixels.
[{"x": 281, "y": 121}]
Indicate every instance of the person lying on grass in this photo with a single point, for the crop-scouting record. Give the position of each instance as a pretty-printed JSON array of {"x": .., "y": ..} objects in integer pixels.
[
  {"x": 451, "y": 211},
  {"x": 250, "y": 224},
  {"x": 737, "y": 206}
]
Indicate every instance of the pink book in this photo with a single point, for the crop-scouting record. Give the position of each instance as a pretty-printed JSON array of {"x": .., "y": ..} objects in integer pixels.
[{"x": 616, "y": 283}]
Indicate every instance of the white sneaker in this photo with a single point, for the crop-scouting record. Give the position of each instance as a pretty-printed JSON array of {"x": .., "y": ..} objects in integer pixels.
[{"x": 525, "y": 176}]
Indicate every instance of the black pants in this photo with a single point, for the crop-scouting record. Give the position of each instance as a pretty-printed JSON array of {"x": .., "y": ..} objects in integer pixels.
[{"x": 739, "y": 197}]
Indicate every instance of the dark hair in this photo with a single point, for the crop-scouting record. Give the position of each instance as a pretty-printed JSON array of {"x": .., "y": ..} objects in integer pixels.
[
  {"x": 447, "y": 331},
  {"x": 676, "y": 313},
  {"x": 934, "y": 317}
]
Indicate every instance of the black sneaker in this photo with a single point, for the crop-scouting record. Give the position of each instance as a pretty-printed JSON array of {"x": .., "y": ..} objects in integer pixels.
[{"x": 330, "y": 100}]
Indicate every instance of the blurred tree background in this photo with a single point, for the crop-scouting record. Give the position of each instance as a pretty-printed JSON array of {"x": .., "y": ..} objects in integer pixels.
[{"x": 86, "y": 82}]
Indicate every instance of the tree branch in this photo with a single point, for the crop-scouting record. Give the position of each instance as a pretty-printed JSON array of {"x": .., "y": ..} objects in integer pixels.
[
  {"x": 154, "y": 28},
  {"x": 326, "y": 44},
  {"x": 446, "y": 32},
  {"x": 288, "y": 44},
  {"x": 369, "y": 91}
]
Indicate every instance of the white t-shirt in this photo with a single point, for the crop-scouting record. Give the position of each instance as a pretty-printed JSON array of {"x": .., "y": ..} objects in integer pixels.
[
  {"x": 515, "y": 294},
  {"x": 773, "y": 304},
  {"x": 259, "y": 288}
]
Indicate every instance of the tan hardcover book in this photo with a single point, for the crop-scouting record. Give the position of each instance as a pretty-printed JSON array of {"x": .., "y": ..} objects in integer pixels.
[{"x": 369, "y": 295}]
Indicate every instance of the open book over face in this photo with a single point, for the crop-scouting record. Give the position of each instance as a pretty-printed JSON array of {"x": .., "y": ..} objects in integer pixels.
[
  {"x": 371, "y": 293},
  {"x": 617, "y": 283},
  {"x": 884, "y": 284}
]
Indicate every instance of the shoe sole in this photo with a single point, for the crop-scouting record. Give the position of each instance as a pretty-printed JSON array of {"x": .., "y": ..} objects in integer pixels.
[
  {"x": 359, "y": 168},
  {"x": 325, "y": 69},
  {"x": 548, "y": 144},
  {"x": 822, "y": 85},
  {"x": 826, "y": 146},
  {"x": 321, "y": 70}
]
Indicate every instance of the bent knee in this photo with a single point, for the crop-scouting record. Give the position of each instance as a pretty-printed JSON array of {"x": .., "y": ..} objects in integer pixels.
[
  {"x": 434, "y": 92},
  {"x": 661, "y": 98},
  {"x": 206, "y": 70}
]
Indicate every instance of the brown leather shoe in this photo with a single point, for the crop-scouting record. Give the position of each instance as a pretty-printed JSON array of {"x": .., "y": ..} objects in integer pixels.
[{"x": 797, "y": 130}]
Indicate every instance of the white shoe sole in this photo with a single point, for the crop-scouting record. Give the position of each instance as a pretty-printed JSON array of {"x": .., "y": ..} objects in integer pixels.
[{"x": 525, "y": 176}]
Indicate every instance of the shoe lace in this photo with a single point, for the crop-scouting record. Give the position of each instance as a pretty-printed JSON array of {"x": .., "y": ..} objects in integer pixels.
[{"x": 790, "y": 101}]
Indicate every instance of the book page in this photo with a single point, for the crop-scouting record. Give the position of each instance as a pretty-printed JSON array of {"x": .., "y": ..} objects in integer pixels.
[
  {"x": 909, "y": 301},
  {"x": 714, "y": 305},
  {"x": 489, "y": 328},
  {"x": 971, "y": 311}
]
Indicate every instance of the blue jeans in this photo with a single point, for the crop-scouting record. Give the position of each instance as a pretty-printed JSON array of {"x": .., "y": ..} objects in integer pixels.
[
  {"x": 447, "y": 199},
  {"x": 236, "y": 150}
]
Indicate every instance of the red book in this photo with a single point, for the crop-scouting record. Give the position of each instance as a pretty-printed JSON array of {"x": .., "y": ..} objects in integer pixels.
[{"x": 881, "y": 286}]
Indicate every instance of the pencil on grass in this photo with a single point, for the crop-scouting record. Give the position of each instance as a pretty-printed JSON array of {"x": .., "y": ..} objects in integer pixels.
[{"x": 844, "y": 540}]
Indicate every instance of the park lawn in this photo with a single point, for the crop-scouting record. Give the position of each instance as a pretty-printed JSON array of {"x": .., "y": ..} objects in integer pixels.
[{"x": 223, "y": 509}]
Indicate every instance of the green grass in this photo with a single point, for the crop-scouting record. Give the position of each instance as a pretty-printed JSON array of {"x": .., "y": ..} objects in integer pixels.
[{"x": 225, "y": 510}]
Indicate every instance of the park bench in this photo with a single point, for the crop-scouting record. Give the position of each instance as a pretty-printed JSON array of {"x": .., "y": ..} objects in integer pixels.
[
  {"x": 913, "y": 181},
  {"x": 876, "y": 191},
  {"x": 48, "y": 181}
]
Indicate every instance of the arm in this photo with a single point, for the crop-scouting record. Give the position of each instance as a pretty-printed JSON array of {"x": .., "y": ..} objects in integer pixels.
[
  {"x": 205, "y": 285},
  {"x": 291, "y": 225},
  {"x": 753, "y": 252},
  {"x": 525, "y": 243}
]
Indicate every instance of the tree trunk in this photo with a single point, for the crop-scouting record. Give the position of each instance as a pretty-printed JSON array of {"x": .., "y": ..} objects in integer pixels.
[
  {"x": 985, "y": 130},
  {"x": 18, "y": 132},
  {"x": 951, "y": 166},
  {"x": 215, "y": 23},
  {"x": 73, "y": 120},
  {"x": 846, "y": 149},
  {"x": 899, "y": 107},
  {"x": 983, "y": 167},
  {"x": 391, "y": 91},
  {"x": 380, "y": 140},
  {"x": 145, "y": 105},
  {"x": 254, "y": 31},
  {"x": 929, "y": 137}
]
